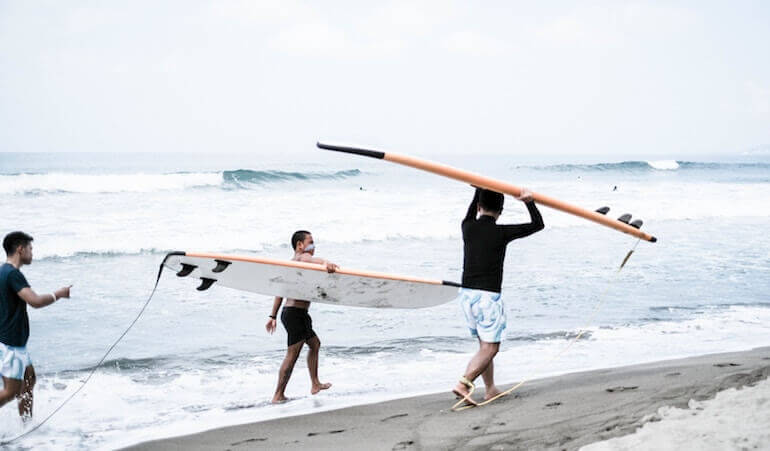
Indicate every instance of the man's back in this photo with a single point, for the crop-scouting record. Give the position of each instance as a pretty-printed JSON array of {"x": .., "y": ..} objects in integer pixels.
[{"x": 485, "y": 243}]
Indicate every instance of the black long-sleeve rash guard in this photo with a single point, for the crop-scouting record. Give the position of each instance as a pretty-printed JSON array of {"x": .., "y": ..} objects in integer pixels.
[{"x": 485, "y": 242}]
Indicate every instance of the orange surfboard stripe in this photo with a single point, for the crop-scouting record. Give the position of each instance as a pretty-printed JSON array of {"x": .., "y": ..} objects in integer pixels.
[
  {"x": 492, "y": 184},
  {"x": 312, "y": 266}
]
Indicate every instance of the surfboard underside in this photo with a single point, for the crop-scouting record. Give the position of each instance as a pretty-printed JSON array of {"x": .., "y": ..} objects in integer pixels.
[{"x": 288, "y": 281}]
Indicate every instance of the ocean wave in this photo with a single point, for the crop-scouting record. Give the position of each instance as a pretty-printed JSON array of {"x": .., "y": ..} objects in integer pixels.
[
  {"x": 245, "y": 177},
  {"x": 650, "y": 166},
  {"x": 34, "y": 184}
]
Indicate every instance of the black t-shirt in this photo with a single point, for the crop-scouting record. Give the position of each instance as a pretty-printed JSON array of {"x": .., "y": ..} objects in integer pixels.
[
  {"x": 14, "y": 322},
  {"x": 485, "y": 244}
]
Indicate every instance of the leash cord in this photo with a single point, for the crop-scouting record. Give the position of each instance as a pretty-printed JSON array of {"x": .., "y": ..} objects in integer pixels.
[{"x": 93, "y": 370}]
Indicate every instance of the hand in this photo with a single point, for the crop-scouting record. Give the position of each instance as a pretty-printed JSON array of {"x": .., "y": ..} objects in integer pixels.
[
  {"x": 525, "y": 195},
  {"x": 331, "y": 267},
  {"x": 270, "y": 326},
  {"x": 63, "y": 292}
]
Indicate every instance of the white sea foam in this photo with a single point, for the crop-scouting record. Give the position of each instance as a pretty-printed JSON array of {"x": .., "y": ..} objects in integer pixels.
[
  {"x": 666, "y": 165},
  {"x": 108, "y": 183}
]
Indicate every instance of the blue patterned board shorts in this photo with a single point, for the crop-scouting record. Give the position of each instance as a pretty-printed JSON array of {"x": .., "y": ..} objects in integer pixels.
[
  {"x": 484, "y": 313},
  {"x": 13, "y": 361}
]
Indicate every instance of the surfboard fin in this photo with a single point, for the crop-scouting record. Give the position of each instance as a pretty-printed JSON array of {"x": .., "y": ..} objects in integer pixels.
[
  {"x": 206, "y": 283},
  {"x": 221, "y": 265},
  {"x": 603, "y": 210},
  {"x": 186, "y": 270},
  {"x": 625, "y": 218},
  {"x": 637, "y": 223}
]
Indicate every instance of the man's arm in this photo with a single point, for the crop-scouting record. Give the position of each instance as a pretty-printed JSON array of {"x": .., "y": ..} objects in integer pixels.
[
  {"x": 271, "y": 323},
  {"x": 41, "y": 300},
  {"x": 473, "y": 207},
  {"x": 515, "y": 231},
  {"x": 330, "y": 267}
]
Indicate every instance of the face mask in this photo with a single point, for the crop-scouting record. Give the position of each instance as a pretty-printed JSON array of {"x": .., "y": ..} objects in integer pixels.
[{"x": 309, "y": 247}]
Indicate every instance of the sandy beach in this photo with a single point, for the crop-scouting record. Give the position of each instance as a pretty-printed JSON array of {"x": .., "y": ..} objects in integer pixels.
[{"x": 563, "y": 412}]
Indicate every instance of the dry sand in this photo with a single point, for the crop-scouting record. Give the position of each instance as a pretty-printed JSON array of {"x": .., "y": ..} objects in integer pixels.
[{"x": 563, "y": 412}]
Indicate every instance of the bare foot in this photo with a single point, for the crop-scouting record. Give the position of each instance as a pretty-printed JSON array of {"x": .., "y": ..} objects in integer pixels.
[
  {"x": 279, "y": 399},
  {"x": 318, "y": 387},
  {"x": 462, "y": 391},
  {"x": 491, "y": 392}
]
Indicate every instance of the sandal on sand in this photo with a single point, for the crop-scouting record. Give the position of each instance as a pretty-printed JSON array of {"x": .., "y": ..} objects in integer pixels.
[{"x": 465, "y": 398}]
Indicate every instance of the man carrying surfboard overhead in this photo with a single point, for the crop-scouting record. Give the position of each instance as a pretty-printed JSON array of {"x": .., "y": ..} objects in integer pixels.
[
  {"x": 484, "y": 253},
  {"x": 298, "y": 324}
]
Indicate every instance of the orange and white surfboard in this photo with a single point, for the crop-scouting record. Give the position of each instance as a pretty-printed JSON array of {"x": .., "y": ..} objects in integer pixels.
[{"x": 621, "y": 224}]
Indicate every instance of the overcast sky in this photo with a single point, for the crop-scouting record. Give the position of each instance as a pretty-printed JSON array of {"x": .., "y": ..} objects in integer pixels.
[{"x": 664, "y": 79}]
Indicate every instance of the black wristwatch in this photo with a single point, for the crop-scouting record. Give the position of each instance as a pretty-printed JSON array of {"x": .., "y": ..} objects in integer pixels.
[{"x": 272, "y": 316}]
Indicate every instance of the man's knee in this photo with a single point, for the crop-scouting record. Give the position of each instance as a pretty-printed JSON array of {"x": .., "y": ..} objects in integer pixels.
[
  {"x": 314, "y": 343},
  {"x": 29, "y": 383},
  {"x": 293, "y": 351},
  {"x": 11, "y": 389},
  {"x": 490, "y": 348}
]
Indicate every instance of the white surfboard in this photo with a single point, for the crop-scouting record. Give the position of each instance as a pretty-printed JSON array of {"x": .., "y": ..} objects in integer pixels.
[{"x": 310, "y": 282}]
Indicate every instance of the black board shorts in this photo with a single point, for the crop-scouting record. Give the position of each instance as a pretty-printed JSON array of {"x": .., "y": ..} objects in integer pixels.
[{"x": 298, "y": 324}]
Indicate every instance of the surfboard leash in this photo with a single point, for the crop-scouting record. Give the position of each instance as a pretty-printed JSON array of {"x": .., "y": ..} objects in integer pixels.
[
  {"x": 457, "y": 407},
  {"x": 93, "y": 370}
]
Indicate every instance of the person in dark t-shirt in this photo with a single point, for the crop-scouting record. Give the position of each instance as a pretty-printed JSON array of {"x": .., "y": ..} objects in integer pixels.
[
  {"x": 15, "y": 294},
  {"x": 484, "y": 253}
]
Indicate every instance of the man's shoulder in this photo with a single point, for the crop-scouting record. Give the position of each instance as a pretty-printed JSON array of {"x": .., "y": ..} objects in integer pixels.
[
  {"x": 10, "y": 272},
  {"x": 6, "y": 269}
]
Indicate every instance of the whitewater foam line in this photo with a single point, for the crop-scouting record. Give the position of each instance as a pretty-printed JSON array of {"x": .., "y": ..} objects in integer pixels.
[
  {"x": 647, "y": 166},
  {"x": 62, "y": 182}
]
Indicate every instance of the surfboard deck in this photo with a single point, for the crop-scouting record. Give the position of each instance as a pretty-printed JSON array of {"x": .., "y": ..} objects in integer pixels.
[{"x": 310, "y": 282}]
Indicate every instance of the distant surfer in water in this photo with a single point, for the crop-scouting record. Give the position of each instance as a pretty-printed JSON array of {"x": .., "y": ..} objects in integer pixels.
[
  {"x": 298, "y": 324},
  {"x": 15, "y": 294},
  {"x": 484, "y": 248}
]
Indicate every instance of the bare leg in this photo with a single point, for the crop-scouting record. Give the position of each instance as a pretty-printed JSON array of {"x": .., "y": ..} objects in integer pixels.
[
  {"x": 285, "y": 372},
  {"x": 479, "y": 364},
  {"x": 11, "y": 390},
  {"x": 312, "y": 365},
  {"x": 489, "y": 381},
  {"x": 25, "y": 397}
]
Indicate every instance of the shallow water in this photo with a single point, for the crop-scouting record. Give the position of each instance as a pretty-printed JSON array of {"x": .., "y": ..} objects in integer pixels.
[{"x": 195, "y": 360}]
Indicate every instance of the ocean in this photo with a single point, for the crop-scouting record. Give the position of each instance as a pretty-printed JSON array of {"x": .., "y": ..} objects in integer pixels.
[{"x": 199, "y": 360}]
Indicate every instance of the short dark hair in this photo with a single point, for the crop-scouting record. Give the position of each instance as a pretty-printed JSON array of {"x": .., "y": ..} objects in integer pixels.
[
  {"x": 491, "y": 200},
  {"x": 298, "y": 237},
  {"x": 13, "y": 240}
]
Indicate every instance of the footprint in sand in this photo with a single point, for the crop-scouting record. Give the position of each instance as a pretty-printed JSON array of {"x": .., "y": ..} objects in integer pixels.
[
  {"x": 553, "y": 404},
  {"x": 403, "y": 445},
  {"x": 250, "y": 440},
  {"x": 312, "y": 434},
  {"x": 723, "y": 365},
  {"x": 673, "y": 374},
  {"x": 399, "y": 415},
  {"x": 621, "y": 388}
]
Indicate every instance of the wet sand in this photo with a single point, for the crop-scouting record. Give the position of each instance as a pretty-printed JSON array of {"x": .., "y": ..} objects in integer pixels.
[{"x": 562, "y": 412}]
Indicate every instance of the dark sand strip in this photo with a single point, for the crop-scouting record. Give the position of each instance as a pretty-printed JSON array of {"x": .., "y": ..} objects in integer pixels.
[{"x": 563, "y": 412}]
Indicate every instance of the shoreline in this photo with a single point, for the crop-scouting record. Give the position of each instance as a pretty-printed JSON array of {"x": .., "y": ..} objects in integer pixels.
[{"x": 559, "y": 412}]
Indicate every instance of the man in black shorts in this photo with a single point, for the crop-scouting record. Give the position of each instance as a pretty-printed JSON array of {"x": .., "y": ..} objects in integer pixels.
[{"x": 298, "y": 324}]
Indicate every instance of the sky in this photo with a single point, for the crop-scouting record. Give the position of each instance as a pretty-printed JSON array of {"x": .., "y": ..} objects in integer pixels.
[{"x": 617, "y": 78}]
